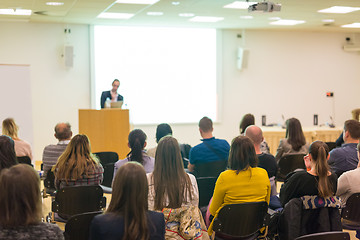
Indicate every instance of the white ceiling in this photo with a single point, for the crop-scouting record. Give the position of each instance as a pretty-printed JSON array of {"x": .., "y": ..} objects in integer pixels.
[{"x": 86, "y": 12}]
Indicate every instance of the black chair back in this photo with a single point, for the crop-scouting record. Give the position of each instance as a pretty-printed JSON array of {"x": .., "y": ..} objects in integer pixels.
[
  {"x": 288, "y": 164},
  {"x": 78, "y": 226},
  {"x": 78, "y": 199},
  {"x": 107, "y": 157},
  {"x": 25, "y": 160},
  {"x": 326, "y": 236},
  {"x": 49, "y": 183},
  {"x": 351, "y": 213},
  {"x": 206, "y": 187},
  {"x": 237, "y": 221},
  {"x": 108, "y": 174},
  {"x": 331, "y": 145},
  {"x": 210, "y": 169}
]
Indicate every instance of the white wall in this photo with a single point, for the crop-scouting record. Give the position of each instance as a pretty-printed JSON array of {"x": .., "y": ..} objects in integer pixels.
[
  {"x": 57, "y": 92},
  {"x": 288, "y": 73}
]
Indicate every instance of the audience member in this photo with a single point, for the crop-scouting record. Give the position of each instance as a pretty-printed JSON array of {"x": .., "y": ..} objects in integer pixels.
[
  {"x": 127, "y": 216},
  {"x": 294, "y": 143},
  {"x": 22, "y": 148},
  {"x": 266, "y": 161},
  {"x": 248, "y": 120},
  {"x": 7, "y": 152},
  {"x": 211, "y": 149},
  {"x": 345, "y": 158},
  {"x": 243, "y": 182},
  {"x": 169, "y": 185},
  {"x": 162, "y": 130},
  {"x": 77, "y": 165},
  {"x": 137, "y": 143},
  {"x": 21, "y": 206},
  {"x": 317, "y": 181},
  {"x": 349, "y": 182},
  {"x": 52, "y": 152}
]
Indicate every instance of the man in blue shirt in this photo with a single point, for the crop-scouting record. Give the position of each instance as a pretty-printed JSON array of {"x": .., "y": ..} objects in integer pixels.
[
  {"x": 345, "y": 158},
  {"x": 211, "y": 149}
]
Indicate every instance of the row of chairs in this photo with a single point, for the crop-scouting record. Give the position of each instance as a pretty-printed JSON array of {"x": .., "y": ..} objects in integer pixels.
[
  {"x": 77, "y": 205},
  {"x": 245, "y": 220}
]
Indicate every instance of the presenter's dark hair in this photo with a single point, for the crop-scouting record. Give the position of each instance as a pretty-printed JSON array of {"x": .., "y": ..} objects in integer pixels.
[
  {"x": 130, "y": 200},
  {"x": 242, "y": 154},
  {"x": 247, "y": 120},
  {"x": 294, "y": 134},
  {"x": 319, "y": 152},
  {"x": 163, "y": 130},
  {"x": 353, "y": 127},
  {"x": 206, "y": 124},
  {"x": 20, "y": 198},
  {"x": 7, "y": 152},
  {"x": 136, "y": 140},
  {"x": 115, "y": 80},
  {"x": 172, "y": 185}
]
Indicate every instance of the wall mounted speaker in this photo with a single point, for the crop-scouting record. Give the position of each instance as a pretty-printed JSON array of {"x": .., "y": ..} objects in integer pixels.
[
  {"x": 69, "y": 56},
  {"x": 242, "y": 58}
]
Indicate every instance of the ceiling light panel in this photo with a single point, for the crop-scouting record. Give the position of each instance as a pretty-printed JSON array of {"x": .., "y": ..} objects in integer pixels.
[
  {"x": 146, "y": 2},
  {"x": 285, "y": 22},
  {"x": 18, "y": 12},
  {"x": 206, "y": 19},
  {"x": 115, "y": 15},
  {"x": 339, "y": 9},
  {"x": 352, "y": 25}
]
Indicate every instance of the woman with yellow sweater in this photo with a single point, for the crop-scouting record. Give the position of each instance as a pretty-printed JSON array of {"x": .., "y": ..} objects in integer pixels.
[{"x": 243, "y": 182}]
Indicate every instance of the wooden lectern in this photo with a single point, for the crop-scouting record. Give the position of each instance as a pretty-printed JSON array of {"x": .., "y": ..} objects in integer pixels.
[{"x": 107, "y": 129}]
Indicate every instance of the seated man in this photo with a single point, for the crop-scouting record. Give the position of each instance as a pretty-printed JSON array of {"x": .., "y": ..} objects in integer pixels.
[
  {"x": 211, "y": 149},
  {"x": 345, "y": 158},
  {"x": 266, "y": 161},
  {"x": 52, "y": 152}
]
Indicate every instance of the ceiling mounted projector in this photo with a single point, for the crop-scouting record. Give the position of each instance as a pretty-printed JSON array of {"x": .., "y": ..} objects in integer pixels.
[{"x": 265, "y": 7}]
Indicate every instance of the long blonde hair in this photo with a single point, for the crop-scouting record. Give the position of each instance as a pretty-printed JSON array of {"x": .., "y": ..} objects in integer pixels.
[
  {"x": 9, "y": 128},
  {"x": 76, "y": 160},
  {"x": 170, "y": 180}
]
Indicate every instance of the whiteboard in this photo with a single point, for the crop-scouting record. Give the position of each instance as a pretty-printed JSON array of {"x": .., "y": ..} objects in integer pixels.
[{"x": 15, "y": 98}]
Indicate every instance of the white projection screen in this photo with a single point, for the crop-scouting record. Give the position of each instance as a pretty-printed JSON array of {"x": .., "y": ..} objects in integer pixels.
[{"x": 166, "y": 74}]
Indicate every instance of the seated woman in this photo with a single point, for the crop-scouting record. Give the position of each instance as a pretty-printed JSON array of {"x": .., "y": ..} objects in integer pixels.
[
  {"x": 127, "y": 216},
  {"x": 294, "y": 142},
  {"x": 21, "y": 206},
  {"x": 169, "y": 185},
  {"x": 22, "y": 148},
  {"x": 137, "y": 143},
  {"x": 77, "y": 165},
  {"x": 244, "y": 182},
  {"x": 7, "y": 152},
  {"x": 317, "y": 181},
  {"x": 248, "y": 120}
]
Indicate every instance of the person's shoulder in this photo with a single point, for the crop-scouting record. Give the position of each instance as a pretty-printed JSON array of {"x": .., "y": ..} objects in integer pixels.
[
  {"x": 156, "y": 215},
  {"x": 121, "y": 162},
  {"x": 223, "y": 141},
  {"x": 192, "y": 177},
  {"x": 266, "y": 156},
  {"x": 260, "y": 171}
]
